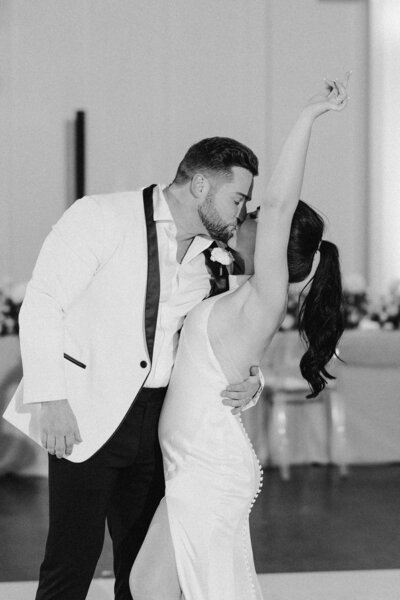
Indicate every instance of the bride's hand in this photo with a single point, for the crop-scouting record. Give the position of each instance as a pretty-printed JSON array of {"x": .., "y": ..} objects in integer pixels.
[{"x": 335, "y": 97}]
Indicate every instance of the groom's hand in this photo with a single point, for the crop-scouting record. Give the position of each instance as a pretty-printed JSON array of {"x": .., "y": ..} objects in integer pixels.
[
  {"x": 59, "y": 428},
  {"x": 244, "y": 394}
]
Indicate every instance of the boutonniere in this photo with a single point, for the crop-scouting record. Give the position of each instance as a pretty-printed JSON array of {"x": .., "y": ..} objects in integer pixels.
[{"x": 224, "y": 257}]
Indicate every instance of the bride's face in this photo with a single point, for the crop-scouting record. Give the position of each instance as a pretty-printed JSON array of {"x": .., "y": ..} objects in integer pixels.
[{"x": 244, "y": 241}]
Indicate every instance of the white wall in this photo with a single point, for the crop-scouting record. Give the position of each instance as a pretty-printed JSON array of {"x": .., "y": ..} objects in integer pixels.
[
  {"x": 156, "y": 76},
  {"x": 313, "y": 39},
  {"x": 5, "y": 137},
  {"x": 153, "y": 76},
  {"x": 384, "y": 258}
]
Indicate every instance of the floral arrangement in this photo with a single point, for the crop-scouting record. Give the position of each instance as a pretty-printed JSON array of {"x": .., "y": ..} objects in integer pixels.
[
  {"x": 11, "y": 298},
  {"x": 384, "y": 311},
  {"x": 362, "y": 309},
  {"x": 356, "y": 301}
]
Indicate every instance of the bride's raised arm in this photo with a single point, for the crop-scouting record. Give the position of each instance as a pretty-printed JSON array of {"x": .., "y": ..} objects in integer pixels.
[
  {"x": 270, "y": 280},
  {"x": 253, "y": 313}
]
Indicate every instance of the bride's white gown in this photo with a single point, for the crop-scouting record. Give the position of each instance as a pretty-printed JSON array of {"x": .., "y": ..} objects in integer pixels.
[{"x": 212, "y": 473}]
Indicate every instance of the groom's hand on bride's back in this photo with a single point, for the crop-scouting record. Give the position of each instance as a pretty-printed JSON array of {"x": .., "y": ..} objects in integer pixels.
[
  {"x": 244, "y": 394},
  {"x": 59, "y": 428}
]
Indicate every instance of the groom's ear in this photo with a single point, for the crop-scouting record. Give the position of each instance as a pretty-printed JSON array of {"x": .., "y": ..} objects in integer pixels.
[{"x": 199, "y": 186}]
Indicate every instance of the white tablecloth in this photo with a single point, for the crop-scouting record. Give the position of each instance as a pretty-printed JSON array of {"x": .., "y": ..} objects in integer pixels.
[
  {"x": 18, "y": 454},
  {"x": 370, "y": 385}
]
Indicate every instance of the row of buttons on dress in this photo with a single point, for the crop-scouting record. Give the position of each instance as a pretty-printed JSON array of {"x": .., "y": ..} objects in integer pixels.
[
  {"x": 258, "y": 463},
  {"x": 245, "y": 524}
]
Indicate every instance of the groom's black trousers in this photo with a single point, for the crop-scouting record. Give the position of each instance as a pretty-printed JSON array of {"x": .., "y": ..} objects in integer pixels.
[{"x": 123, "y": 484}]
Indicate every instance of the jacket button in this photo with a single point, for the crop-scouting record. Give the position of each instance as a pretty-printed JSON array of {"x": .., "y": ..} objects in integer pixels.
[{"x": 143, "y": 364}]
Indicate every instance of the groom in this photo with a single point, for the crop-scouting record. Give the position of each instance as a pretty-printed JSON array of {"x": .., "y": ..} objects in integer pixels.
[{"x": 99, "y": 331}]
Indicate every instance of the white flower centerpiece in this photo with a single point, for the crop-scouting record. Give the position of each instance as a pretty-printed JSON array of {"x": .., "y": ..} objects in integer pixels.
[
  {"x": 384, "y": 310},
  {"x": 11, "y": 297},
  {"x": 362, "y": 309},
  {"x": 355, "y": 300}
]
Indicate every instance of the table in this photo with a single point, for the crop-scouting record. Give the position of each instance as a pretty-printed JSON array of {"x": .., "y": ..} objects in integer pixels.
[
  {"x": 18, "y": 454},
  {"x": 369, "y": 382}
]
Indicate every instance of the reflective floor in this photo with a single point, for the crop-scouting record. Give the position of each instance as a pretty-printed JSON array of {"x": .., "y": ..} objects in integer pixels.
[
  {"x": 335, "y": 585},
  {"x": 314, "y": 522},
  {"x": 319, "y": 522}
]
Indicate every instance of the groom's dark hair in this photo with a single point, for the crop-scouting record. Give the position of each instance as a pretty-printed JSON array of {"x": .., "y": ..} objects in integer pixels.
[{"x": 215, "y": 156}]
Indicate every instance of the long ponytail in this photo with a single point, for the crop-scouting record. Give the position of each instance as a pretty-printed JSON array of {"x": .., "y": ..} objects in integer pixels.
[{"x": 321, "y": 321}]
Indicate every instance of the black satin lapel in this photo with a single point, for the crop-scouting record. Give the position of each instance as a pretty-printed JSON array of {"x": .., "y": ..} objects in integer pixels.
[{"x": 153, "y": 272}]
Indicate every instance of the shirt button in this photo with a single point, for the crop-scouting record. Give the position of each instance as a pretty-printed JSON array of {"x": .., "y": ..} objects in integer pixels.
[{"x": 143, "y": 364}]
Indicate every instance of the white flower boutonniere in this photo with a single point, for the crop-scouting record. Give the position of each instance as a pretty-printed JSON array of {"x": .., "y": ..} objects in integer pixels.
[{"x": 222, "y": 256}]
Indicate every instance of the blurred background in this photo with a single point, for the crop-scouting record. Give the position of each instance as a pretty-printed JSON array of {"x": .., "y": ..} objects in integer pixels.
[{"x": 152, "y": 77}]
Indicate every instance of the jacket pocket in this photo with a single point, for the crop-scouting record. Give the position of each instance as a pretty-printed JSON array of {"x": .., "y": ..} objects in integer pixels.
[{"x": 75, "y": 361}]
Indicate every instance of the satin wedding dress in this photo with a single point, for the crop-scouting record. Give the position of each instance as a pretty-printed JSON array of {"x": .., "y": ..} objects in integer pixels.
[{"x": 212, "y": 473}]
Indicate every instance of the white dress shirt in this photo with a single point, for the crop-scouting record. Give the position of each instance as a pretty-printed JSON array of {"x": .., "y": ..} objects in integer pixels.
[{"x": 182, "y": 286}]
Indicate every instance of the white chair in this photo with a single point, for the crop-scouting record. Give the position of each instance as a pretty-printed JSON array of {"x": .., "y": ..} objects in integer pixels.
[{"x": 286, "y": 387}]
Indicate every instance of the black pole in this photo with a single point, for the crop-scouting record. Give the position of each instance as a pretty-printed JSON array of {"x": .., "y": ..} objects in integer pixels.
[{"x": 80, "y": 154}]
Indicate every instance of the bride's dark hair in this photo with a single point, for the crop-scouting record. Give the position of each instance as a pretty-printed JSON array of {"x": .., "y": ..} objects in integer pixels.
[{"x": 321, "y": 322}]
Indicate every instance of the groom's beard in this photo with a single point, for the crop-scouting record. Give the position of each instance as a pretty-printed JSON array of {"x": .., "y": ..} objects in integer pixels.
[{"x": 209, "y": 215}]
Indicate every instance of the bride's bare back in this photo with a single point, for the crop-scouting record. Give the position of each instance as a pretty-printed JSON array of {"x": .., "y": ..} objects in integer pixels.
[{"x": 238, "y": 338}]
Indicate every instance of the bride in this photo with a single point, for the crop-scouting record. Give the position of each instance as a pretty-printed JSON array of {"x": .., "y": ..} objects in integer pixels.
[{"x": 198, "y": 545}]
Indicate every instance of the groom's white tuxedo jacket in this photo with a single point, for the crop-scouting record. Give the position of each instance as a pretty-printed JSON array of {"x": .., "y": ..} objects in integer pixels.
[{"x": 88, "y": 319}]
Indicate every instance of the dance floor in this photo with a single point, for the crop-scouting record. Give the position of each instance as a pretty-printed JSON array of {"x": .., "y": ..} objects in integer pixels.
[
  {"x": 339, "y": 585},
  {"x": 316, "y": 537}
]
